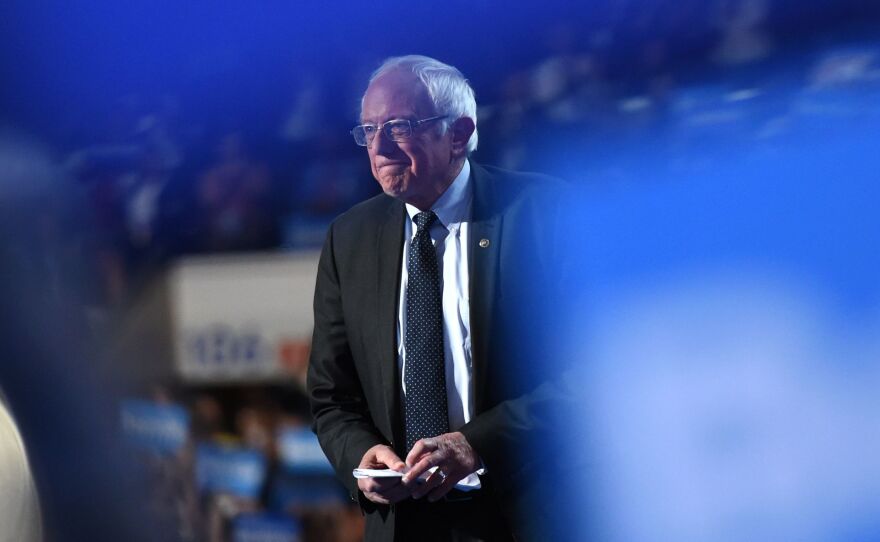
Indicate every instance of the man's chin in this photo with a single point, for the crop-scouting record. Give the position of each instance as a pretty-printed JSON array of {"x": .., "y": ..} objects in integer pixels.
[{"x": 394, "y": 186}]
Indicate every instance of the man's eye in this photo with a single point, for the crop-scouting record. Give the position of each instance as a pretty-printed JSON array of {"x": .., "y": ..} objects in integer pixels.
[
  {"x": 398, "y": 127},
  {"x": 369, "y": 129}
]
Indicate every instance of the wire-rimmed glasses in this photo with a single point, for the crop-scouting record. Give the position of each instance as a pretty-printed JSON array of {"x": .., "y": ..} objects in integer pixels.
[{"x": 395, "y": 130}]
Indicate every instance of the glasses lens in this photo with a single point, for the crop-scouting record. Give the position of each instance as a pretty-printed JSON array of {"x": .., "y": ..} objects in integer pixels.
[
  {"x": 398, "y": 129},
  {"x": 360, "y": 135}
]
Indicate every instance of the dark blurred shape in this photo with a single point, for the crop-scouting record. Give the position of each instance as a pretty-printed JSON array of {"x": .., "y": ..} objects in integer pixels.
[{"x": 51, "y": 373}]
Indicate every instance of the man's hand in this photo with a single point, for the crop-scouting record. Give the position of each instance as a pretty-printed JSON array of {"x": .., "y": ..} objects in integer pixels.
[
  {"x": 450, "y": 453},
  {"x": 383, "y": 490}
]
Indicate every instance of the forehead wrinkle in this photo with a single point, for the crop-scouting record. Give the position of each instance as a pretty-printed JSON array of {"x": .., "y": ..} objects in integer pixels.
[{"x": 396, "y": 95}]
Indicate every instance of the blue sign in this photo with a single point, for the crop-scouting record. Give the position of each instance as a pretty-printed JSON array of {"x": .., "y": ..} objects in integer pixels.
[
  {"x": 160, "y": 428},
  {"x": 227, "y": 469},
  {"x": 265, "y": 528},
  {"x": 300, "y": 452}
]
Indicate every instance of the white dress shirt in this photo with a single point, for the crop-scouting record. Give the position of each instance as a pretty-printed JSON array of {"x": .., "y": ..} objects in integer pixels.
[{"x": 449, "y": 234}]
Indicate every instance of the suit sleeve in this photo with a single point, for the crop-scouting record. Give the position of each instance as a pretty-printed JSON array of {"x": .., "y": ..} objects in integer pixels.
[
  {"x": 521, "y": 433},
  {"x": 340, "y": 415}
]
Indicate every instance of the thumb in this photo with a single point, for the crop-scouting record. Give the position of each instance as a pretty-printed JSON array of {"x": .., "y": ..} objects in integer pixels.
[{"x": 389, "y": 458}]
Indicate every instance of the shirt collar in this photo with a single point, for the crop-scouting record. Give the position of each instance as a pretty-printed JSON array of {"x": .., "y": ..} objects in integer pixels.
[{"x": 453, "y": 206}]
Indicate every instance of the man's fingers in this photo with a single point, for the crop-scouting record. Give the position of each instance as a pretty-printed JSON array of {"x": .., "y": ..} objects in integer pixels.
[
  {"x": 432, "y": 482},
  {"x": 378, "y": 485},
  {"x": 387, "y": 457},
  {"x": 420, "y": 467},
  {"x": 377, "y": 498},
  {"x": 383, "y": 490},
  {"x": 381, "y": 456},
  {"x": 442, "y": 489},
  {"x": 397, "y": 494},
  {"x": 389, "y": 497},
  {"x": 420, "y": 448}
]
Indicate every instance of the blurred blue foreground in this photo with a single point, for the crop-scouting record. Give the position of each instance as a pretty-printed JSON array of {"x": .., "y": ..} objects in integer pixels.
[{"x": 729, "y": 321}]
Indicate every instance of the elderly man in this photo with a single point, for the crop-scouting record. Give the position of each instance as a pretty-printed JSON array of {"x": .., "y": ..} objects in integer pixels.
[{"x": 427, "y": 357}]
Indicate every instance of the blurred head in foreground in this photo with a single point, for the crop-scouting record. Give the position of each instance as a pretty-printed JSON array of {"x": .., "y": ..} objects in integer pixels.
[{"x": 64, "y": 407}]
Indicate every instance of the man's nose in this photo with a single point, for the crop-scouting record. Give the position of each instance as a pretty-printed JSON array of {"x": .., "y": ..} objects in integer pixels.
[{"x": 383, "y": 142}]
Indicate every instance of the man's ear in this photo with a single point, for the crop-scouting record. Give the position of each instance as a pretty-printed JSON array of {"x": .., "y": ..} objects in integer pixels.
[{"x": 461, "y": 129}]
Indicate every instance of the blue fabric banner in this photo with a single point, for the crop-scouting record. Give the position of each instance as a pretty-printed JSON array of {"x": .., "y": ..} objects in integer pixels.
[
  {"x": 227, "y": 469},
  {"x": 160, "y": 428},
  {"x": 265, "y": 528},
  {"x": 300, "y": 452}
]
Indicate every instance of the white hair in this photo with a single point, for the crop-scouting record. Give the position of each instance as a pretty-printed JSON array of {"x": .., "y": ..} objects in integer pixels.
[{"x": 449, "y": 90}]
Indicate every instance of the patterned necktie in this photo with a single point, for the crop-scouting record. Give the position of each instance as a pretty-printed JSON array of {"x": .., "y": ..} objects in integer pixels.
[{"x": 425, "y": 374}]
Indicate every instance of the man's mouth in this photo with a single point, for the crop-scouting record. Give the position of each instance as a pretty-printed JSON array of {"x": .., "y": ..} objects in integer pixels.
[{"x": 388, "y": 164}]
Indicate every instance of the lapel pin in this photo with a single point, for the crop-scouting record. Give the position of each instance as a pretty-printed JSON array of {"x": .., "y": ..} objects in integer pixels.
[{"x": 484, "y": 243}]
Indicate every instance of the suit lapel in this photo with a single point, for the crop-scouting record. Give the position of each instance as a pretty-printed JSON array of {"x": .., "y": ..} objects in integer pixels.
[
  {"x": 485, "y": 245},
  {"x": 390, "y": 252}
]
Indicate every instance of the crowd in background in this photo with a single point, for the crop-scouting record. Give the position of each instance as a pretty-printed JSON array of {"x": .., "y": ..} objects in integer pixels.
[
  {"x": 163, "y": 181},
  {"x": 238, "y": 463},
  {"x": 163, "y": 176}
]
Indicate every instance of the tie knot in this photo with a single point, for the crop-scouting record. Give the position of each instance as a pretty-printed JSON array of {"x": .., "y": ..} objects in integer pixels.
[{"x": 425, "y": 219}]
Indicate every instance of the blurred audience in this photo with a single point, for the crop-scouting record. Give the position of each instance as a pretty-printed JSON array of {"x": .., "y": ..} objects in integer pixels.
[
  {"x": 234, "y": 201},
  {"x": 236, "y": 461},
  {"x": 228, "y": 462}
]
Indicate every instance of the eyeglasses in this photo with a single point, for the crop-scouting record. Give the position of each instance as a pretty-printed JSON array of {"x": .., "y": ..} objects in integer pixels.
[{"x": 395, "y": 130}]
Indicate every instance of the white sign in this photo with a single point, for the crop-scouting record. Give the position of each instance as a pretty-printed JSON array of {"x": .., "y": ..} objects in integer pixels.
[{"x": 242, "y": 318}]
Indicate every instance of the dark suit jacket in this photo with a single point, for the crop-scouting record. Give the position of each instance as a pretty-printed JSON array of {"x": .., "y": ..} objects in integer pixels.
[{"x": 353, "y": 377}]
